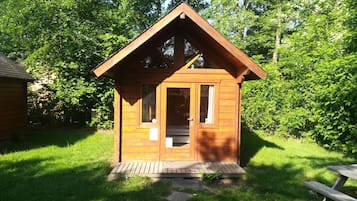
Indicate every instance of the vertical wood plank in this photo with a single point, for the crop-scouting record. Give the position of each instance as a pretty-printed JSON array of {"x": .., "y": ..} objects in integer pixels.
[
  {"x": 138, "y": 166},
  {"x": 13, "y": 106},
  {"x": 147, "y": 167},
  {"x": 160, "y": 167},
  {"x": 129, "y": 168},
  {"x": 117, "y": 118},
  {"x": 179, "y": 54},
  {"x": 157, "y": 168},
  {"x": 119, "y": 168},
  {"x": 142, "y": 167},
  {"x": 239, "y": 123},
  {"x": 132, "y": 167}
]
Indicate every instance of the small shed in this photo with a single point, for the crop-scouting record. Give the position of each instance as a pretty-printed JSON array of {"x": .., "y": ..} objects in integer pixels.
[
  {"x": 178, "y": 92},
  {"x": 13, "y": 97}
]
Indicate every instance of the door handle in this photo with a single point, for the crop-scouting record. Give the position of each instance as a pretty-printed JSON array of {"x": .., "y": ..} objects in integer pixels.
[{"x": 189, "y": 119}]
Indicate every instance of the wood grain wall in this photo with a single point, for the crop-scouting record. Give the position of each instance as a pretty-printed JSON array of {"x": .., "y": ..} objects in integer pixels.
[
  {"x": 13, "y": 106},
  {"x": 218, "y": 142}
]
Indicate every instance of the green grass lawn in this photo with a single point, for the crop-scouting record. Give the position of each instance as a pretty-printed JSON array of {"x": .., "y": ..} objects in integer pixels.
[
  {"x": 276, "y": 169},
  {"x": 73, "y": 165},
  {"x": 67, "y": 166}
]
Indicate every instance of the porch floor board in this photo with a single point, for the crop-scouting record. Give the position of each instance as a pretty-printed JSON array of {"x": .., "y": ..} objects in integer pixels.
[{"x": 179, "y": 169}]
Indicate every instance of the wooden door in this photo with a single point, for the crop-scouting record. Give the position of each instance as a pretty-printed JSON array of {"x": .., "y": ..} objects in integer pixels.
[{"x": 178, "y": 121}]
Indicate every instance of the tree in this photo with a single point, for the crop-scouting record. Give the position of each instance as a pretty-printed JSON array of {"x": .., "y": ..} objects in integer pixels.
[
  {"x": 61, "y": 42},
  {"x": 309, "y": 52},
  {"x": 310, "y": 89}
]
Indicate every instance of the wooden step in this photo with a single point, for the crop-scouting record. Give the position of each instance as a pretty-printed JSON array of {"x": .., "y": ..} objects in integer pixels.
[
  {"x": 175, "y": 169},
  {"x": 328, "y": 192}
]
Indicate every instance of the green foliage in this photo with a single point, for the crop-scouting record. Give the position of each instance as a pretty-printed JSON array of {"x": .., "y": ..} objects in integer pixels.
[
  {"x": 210, "y": 178},
  {"x": 43, "y": 110},
  {"x": 311, "y": 90},
  {"x": 104, "y": 113},
  {"x": 62, "y": 41},
  {"x": 335, "y": 111},
  {"x": 195, "y": 4},
  {"x": 262, "y": 101}
]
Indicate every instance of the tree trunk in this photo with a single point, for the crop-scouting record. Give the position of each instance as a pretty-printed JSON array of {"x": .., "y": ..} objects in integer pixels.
[
  {"x": 159, "y": 11},
  {"x": 277, "y": 33}
]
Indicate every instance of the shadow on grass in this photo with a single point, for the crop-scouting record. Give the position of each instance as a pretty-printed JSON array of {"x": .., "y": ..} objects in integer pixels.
[
  {"x": 323, "y": 162},
  {"x": 280, "y": 183},
  {"x": 36, "y": 180},
  {"x": 264, "y": 182},
  {"x": 251, "y": 143},
  {"x": 287, "y": 181},
  {"x": 28, "y": 140},
  {"x": 279, "y": 177}
]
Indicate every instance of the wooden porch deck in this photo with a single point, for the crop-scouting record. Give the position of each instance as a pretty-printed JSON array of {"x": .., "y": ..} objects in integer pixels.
[{"x": 179, "y": 169}]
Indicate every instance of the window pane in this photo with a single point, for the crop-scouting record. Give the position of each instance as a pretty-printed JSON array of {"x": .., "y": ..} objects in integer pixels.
[
  {"x": 162, "y": 59},
  {"x": 207, "y": 104},
  {"x": 177, "y": 114},
  {"x": 201, "y": 62},
  {"x": 148, "y": 103}
]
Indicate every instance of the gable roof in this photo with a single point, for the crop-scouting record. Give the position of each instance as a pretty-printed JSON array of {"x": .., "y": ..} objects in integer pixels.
[
  {"x": 10, "y": 69},
  {"x": 230, "y": 52}
]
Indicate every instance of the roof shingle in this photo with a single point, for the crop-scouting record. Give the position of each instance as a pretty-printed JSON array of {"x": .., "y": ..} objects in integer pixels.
[{"x": 10, "y": 69}]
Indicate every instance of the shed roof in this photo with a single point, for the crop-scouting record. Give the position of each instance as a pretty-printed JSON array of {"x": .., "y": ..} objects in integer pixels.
[
  {"x": 10, "y": 69},
  {"x": 228, "y": 51}
]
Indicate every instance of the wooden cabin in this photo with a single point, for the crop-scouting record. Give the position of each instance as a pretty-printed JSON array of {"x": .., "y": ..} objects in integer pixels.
[
  {"x": 13, "y": 97},
  {"x": 178, "y": 92}
]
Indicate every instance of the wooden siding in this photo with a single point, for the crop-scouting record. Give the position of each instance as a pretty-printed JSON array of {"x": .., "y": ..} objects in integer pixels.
[
  {"x": 117, "y": 123},
  {"x": 220, "y": 143},
  {"x": 13, "y": 106},
  {"x": 217, "y": 142},
  {"x": 135, "y": 143}
]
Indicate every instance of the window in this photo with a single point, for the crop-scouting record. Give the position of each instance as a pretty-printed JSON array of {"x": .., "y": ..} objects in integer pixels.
[
  {"x": 161, "y": 56},
  {"x": 190, "y": 52},
  {"x": 207, "y": 104},
  {"x": 201, "y": 62},
  {"x": 148, "y": 106}
]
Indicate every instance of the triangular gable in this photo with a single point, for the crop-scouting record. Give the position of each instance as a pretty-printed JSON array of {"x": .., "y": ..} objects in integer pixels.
[{"x": 236, "y": 56}]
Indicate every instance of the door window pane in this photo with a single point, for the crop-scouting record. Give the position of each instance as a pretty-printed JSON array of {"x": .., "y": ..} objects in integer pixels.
[
  {"x": 177, "y": 117},
  {"x": 148, "y": 103},
  {"x": 207, "y": 104}
]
